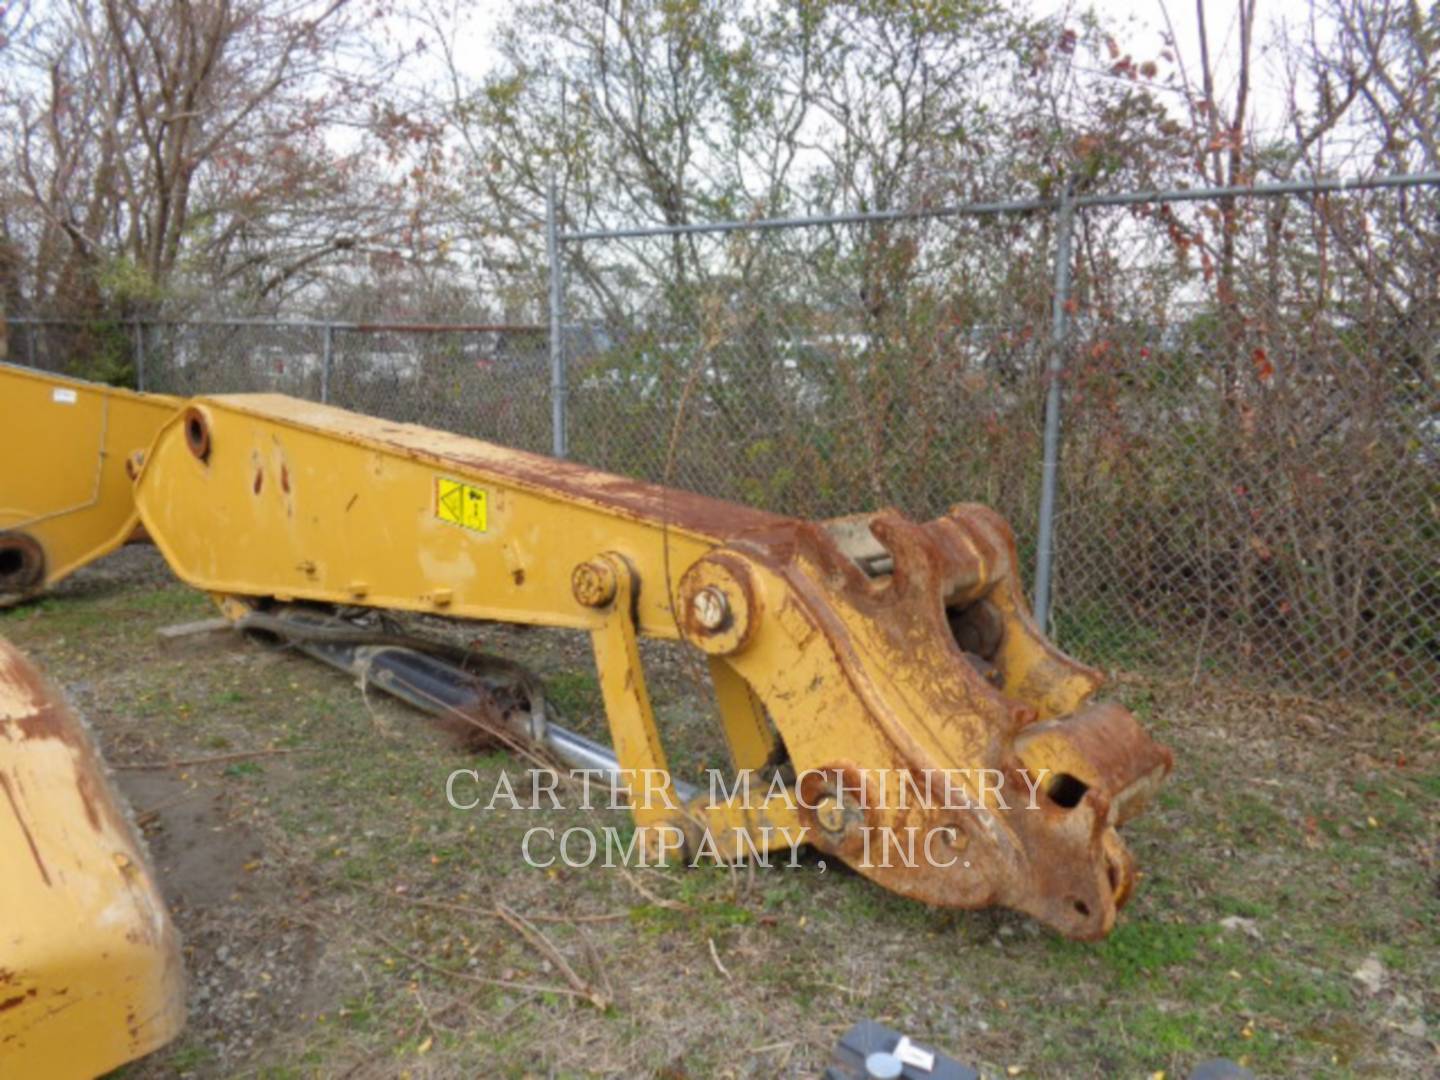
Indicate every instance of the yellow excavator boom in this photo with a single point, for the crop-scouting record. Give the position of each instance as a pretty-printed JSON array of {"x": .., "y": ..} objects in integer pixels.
[{"x": 875, "y": 676}]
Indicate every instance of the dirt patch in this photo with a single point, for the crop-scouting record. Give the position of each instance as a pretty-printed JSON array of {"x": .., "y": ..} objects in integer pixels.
[{"x": 200, "y": 855}]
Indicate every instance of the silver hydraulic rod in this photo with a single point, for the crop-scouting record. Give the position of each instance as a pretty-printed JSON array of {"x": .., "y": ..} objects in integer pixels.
[{"x": 441, "y": 689}]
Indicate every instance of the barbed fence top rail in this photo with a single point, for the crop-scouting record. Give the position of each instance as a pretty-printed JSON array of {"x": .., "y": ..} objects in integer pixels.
[
  {"x": 1012, "y": 206},
  {"x": 297, "y": 324}
]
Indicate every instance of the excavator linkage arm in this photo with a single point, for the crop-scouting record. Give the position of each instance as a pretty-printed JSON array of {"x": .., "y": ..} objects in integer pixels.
[{"x": 883, "y": 691}]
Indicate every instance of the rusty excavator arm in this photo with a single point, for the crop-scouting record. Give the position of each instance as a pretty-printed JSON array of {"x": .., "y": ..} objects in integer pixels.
[{"x": 872, "y": 673}]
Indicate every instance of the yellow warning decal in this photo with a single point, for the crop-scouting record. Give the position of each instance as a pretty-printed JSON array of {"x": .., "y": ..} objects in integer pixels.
[{"x": 461, "y": 504}]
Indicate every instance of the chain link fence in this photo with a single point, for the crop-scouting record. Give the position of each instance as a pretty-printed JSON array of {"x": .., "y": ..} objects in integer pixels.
[
  {"x": 489, "y": 381},
  {"x": 1252, "y": 446},
  {"x": 1247, "y": 468},
  {"x": 818, "y": 372},
  {"x": 1248, "y": 481}
]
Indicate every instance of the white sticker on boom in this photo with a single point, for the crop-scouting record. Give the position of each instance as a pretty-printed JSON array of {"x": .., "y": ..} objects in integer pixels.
[{"x": 63, "y": 395}]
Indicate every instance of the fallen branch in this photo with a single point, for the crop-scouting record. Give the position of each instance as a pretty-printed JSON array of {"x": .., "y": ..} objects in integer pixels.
[
  {"x": 595, "y": 963},
  {"x": 466, "y": 977},
  {"x": 185, "y": 763},
  {"x": 533, "y": 935},
  {"x": 715, "y": 955},
  {"x": 490, "y": 913},
  {"x": 144, "y": 819}
]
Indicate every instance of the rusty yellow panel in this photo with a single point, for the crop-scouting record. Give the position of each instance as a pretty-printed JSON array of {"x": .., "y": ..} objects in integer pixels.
[
  {"x": 65, "y": 494},
  {"x": 264, "y": 495},
  {"x": 90, "y": 973}
]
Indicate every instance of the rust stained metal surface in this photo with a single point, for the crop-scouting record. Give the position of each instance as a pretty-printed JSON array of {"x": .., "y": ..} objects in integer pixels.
[
  {"x": 1015, "y": 781},
  {"x": 556, "y": 478},
  {"x": 878, "y": 647},
  {"x": 89, "y": 963},
  {"x": 302, "y": 501}
]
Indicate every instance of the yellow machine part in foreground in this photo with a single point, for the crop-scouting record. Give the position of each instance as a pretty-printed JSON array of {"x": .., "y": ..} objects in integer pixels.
[
  {"x": 66, "y": 498},
  {"x": 90, "y": 974}
]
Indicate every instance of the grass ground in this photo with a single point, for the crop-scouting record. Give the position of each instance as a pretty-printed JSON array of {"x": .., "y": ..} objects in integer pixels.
[{"x": 339, "y": 916}]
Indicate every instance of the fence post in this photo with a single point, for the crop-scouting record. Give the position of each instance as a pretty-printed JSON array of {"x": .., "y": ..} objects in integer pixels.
[
  {"x": 327, "y": 356},
  {"x": 139, "y": 355},
  {"x": 557, "y": 347},
  {"x": 1050, "y": 469}
]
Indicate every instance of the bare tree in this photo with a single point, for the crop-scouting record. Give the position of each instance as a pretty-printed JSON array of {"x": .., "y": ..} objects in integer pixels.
[{"x": 165, "y": 151}]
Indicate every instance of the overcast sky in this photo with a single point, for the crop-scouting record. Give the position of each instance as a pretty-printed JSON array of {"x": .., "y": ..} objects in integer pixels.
[
  {"x": 1148, "y": 34},
  {"x": 1143, "y": 33}
]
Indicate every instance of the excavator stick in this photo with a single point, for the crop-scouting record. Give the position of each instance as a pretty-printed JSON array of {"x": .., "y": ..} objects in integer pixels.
[{"x": 883, "y": 691}]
